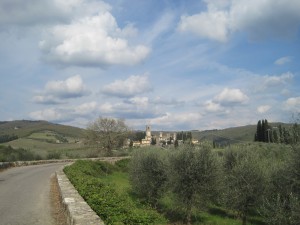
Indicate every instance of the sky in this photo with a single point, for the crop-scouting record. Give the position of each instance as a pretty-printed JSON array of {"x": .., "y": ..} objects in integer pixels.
[{"x": 174, "y": 65}]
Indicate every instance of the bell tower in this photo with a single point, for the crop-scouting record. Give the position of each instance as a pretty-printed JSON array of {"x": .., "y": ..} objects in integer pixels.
[{"x": 148, "y": 131}]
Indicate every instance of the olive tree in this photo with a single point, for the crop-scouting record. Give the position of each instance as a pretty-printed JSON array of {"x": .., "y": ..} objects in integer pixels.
[
  {"x": 244, "y": 182},
  {"x": 107, "y": 134},
  {"x": 281, "y": 205},
  {"x": 148, "y": 174},
  {"x": 194, "y": 173}
]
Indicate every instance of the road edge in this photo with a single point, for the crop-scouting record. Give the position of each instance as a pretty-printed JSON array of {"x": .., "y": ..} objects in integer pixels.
[{"x": 77, "y": 211}]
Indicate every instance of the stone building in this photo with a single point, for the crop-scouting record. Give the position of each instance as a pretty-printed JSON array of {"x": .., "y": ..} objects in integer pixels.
[{"x": 161, "y": 138}]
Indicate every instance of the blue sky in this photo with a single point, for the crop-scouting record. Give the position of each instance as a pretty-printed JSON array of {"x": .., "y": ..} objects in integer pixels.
[{"x": 176, "y": 65}]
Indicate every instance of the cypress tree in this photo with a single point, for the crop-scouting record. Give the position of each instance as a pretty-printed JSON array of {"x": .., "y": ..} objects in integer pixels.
[
  {"x": 258, "y": 136},
  {"x": 263, "y": 131}
]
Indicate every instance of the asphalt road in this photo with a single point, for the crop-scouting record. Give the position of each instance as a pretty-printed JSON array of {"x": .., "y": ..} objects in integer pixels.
[{"x": 24, "y": 195}]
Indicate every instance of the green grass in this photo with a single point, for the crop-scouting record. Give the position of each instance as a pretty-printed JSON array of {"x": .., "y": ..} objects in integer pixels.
[{"x": 119, "y": 180}]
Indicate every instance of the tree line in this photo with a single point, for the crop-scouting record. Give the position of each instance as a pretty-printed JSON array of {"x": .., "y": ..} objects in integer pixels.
[
  {"x": 7, "y": 138},
  {"x": 281, "y": 134}
]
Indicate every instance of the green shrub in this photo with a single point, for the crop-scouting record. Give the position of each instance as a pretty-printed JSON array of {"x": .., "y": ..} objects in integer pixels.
[
  {"x": 9, "y": 154},
  {"x": 112, "y": 207},
  {"x": 123, "y": 164},
  {"x": 53, "y": 155}
]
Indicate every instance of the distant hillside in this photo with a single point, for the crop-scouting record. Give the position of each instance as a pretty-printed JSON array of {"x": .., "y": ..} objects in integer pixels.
[
  {"x": 230, "y": 135},
  {"x": 24, "y": 128}
]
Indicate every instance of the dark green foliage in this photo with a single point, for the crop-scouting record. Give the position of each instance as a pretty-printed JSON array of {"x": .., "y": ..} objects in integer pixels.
[
  {"x": 176, "y": 143},
  {"x": 148, "y": 174},
  {"x": 53, "y": 155},
  {"x": 7, "y": 138},
  {"x": 61, "y": 138},
  {"x": 123, "y": 164},
  {"x": 184, "y": 136},
  {"x": 263, "y": 131},
  {"x": 137, "y": 136},
  {"x": 9, "y": 154},
  {"x": 112, "y": 207}
]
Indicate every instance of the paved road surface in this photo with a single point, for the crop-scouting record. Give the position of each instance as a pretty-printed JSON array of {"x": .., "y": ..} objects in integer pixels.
[{"x": 24, "y": 195}]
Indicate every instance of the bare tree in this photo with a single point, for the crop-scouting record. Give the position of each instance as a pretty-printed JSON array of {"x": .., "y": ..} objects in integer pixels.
[{"x": 107, "y": 134}]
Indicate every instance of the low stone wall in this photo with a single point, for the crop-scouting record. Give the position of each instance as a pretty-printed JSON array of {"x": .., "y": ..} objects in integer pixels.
[
  {"x": 78, "y": 212},
  {"x": 5, "y": 165}
]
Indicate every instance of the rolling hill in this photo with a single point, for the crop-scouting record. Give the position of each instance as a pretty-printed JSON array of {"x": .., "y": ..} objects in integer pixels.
[
  {"x": 24, "y": 128},
  {"x": 231, "y": 135}
]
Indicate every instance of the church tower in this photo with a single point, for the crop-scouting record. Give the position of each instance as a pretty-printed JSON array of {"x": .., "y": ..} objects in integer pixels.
[{"x": 148, "y": 131}]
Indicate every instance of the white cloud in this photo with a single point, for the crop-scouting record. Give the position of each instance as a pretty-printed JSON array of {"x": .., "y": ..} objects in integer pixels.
[
  {"x": 171, "y": 120},
  {"x": 92, "y": 41},
  {"x": 229, "y": 97},
  {"x": 139, "y": 101},
  {"x": 86, "y": 108},
  {"x": 211, "y": 106},
  {"x": 130, "y": 87},
  {"x": 56, "y": 91},
  {"x": 211, "y": 25},
  {"x": 270, "y": 81},
  {"x": 72, "y": 87},
  {"x": 47, "y": 114},
  {"x": 260, "y": 19},
  {"x": 47, "y": 100},
  {"x": 283, "y": 60},
  {"x": 263, "y": 108},
  {"x": 293, "y": 104}
]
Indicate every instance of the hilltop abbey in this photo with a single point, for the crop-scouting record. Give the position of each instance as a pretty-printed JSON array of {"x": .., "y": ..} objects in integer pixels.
[{"x": 162, "y": 137}]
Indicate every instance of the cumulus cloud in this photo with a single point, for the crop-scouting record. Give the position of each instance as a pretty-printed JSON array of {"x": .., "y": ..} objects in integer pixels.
[
  {"x": 212, "y": 25},
  {"x": 263, "y": 108},
  {"x": 67, "y": 113},
  {"x": 260, "y": 19},
  {"x": 72, "y": 87},
  {"x": 56, "y": 91},
  {"x": 139, "y": 101},
  {"x": 86, "y": 108},
  {"x": 47, "y": 100},
  {"x": 130, "y": 87},
  {"x": 283, "y": 60},
  {"x": 293, "y": 104},
  {"x": 47, "y": 114},
  {"x": 230, "y": 97},
  {"x": 211, "y": 106},
  {"x": 92, "y": 41},
  {"x": 171, "y": 120},
  {"x": 271, "y": 81}
]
